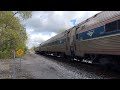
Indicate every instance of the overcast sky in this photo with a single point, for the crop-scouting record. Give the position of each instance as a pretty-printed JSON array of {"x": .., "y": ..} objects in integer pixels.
[{"x": 46, "y": 24}]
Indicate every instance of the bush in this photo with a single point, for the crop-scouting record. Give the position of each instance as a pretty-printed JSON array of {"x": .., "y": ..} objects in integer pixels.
[{"x": 6, "y": 54}]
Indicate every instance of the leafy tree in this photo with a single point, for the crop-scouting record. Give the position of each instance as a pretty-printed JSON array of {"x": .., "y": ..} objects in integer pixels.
[
  {"x": 12, "y": 33},
  {"x": 25, "y": 14}
]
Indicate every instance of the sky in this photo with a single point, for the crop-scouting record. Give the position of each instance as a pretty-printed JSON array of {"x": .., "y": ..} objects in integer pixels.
[{"x": 46, "y": 24}]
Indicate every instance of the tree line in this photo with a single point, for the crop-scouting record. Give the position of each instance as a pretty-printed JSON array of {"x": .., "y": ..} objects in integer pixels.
[{"x": 13, "y": 34}]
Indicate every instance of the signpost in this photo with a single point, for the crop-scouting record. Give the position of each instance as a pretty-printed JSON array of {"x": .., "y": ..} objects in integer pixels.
[
  {"x": 14, "y": 73},
  {"x": 20, "y": 52}
]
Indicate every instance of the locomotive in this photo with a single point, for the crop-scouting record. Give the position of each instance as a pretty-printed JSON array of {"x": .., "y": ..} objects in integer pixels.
[{"x": 96, "y": 39}]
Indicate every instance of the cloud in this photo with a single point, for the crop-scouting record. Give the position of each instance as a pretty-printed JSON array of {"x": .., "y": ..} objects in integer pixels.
[
  {"x": 45, "y": 24},
  {"x": 36, "y": 38}
]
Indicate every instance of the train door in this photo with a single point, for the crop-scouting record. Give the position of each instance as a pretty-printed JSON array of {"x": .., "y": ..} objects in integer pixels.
[{"x": 71, "y": 42}]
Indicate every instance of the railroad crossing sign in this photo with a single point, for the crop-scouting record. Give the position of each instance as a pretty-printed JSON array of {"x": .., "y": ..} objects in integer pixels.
[{"x": 20, "y": 52}]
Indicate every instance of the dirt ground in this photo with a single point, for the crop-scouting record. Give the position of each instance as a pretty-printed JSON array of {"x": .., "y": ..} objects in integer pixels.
[{"x": 34, "y": 66}]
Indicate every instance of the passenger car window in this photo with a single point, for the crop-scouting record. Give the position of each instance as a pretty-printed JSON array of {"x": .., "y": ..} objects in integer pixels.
[
  {"x": 111, "y": 26},
  {"x": 118, "y": 24}
]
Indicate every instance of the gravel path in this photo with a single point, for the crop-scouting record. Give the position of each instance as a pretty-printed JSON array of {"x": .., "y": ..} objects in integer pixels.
[
  {"x": 35, "y": 66},
  {"x": 40, "y": 67},
  {"x": 5, "y": 69}
]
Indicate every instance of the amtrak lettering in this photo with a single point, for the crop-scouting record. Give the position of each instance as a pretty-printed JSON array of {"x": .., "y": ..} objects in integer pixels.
[{"x": 90, "y": 33}]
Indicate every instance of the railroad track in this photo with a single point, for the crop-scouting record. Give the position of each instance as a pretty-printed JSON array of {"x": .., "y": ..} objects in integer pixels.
[{"x": 76, "y": 63}]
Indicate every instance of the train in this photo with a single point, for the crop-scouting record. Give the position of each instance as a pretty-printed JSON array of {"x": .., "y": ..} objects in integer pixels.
[{"x": 96, "y": 39}]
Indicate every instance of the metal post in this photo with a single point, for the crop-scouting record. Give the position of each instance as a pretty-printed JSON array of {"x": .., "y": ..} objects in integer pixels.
[
  {"x": 20, "y": 63},
  {"x": 14, "y": 73}
]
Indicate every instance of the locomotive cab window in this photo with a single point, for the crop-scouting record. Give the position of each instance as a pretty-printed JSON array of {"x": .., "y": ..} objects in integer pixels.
[{"x": 111, "y": 26}]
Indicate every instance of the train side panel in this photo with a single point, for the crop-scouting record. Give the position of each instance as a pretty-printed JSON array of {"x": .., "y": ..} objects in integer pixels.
[
  {"x": 100, "y": 40},
  {"x": 56, "y": 44}
]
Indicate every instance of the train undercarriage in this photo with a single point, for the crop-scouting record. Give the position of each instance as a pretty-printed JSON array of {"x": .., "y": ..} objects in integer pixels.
[{"x": 108, "y": 61}]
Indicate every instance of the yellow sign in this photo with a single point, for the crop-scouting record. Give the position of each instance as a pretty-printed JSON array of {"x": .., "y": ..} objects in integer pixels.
[{"x": 20, "y": 52}]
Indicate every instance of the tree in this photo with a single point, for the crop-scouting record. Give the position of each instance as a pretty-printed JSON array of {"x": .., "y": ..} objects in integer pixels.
[
  {"x": 23, "y": 14},
  {"x": 12, "y": 32}
]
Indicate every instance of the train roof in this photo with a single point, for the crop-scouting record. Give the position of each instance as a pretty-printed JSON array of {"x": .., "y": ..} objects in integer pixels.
[{"x": 99, "y": 17}]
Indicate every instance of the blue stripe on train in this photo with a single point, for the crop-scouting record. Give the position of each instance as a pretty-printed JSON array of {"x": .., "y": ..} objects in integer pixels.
[{"x": 94, "y": 33}]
